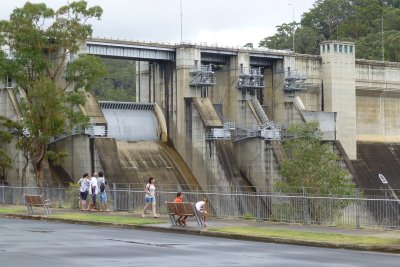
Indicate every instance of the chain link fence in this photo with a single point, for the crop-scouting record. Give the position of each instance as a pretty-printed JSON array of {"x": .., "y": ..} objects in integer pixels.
[{"x": 382, "y": 211}]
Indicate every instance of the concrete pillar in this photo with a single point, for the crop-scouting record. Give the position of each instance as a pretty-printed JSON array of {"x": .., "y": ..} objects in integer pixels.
[
  {"x": 186, "y": 58},
  {"x": 142, "y": 81},
  {"x": 277, "y": 111},
  {"x": 232, "y": 104},
  {"x": 338, "y": 75}
]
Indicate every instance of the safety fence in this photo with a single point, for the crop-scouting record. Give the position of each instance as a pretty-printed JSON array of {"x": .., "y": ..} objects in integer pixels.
[{"x": 382, "y": 211}]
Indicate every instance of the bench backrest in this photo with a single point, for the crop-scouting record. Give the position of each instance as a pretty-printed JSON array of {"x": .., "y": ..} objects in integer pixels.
[
  {"x": 184, "y": 208},
  {"x": 34, "y": 199},
  {"x": 172, "y": 208}
]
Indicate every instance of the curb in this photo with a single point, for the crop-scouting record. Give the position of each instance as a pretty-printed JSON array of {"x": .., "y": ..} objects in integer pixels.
[{"x": 206, "y": 233}]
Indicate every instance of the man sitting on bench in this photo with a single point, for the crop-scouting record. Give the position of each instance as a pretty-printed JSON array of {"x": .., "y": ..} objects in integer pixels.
[{"x": 179, "y": 199}]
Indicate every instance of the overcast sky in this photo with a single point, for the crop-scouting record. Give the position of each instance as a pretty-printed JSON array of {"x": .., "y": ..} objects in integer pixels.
[{"x": 226, "y": 22}]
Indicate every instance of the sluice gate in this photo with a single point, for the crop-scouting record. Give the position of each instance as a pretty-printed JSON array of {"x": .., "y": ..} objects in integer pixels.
[{"x": 132, "y": 151}]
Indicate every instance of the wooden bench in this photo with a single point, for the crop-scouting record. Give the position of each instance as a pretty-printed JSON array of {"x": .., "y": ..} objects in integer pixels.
[
  {"x": 37, "y": 201},
  {"x": 183, "y": 209}
]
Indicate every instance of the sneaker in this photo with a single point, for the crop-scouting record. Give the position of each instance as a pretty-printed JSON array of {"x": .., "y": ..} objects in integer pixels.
[
  {"x": 179, "y": 222},
  {"x": 184, "y": 223}
]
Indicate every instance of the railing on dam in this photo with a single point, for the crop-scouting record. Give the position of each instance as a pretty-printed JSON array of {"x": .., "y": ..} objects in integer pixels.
[
  {"x": 329, "y": 210},
  {"x": 126, "y": 105}
]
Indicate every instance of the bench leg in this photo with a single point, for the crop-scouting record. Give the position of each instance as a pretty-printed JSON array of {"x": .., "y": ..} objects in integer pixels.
[
  {"x": 29, "y": 209},
  {"x": 172, "y": 219},
  {"x": 47, "y": 210},
  {"x": 199, "y": 221}
]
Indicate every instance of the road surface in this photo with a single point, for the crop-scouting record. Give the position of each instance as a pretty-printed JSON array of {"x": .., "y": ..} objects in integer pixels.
[{"x": 36, "y": 243}]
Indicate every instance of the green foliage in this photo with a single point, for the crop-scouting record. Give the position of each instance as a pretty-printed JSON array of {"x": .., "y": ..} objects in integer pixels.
[
  {"x": 119, "y": 84},
  {"x": 311, "y": 169},
  {"x": 71, "y": 197},
  {"x": 5, "y": 138},
  {"x": 311, "y": 164},
  {"x": 50, "y": 84},
  {"x": 359, "y": 21},
  {"x": 247, "y": 216},
  {"x": 281, "y": 40}
]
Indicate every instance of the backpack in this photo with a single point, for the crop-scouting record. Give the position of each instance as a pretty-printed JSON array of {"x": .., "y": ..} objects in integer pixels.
[{"x": 102, "y": 187}]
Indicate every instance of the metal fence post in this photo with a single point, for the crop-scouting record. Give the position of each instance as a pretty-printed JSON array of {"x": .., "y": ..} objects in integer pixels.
[
  {"x": 357, "y": 209},
  {"x": 217, "y": 197},
  {"x": 3, "y": 197},
  {"x": 305, "y": 217},
  {"x": 331, "y": 211},
  {"x": 114, "y": 197},
  {"x": 386, "y": 213},
  {"x": 258, "y": 206},
  {"x": 130, "y": 197}
]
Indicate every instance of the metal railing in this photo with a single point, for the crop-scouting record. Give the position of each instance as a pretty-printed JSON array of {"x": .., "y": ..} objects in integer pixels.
[{"x": 354, "y": 211}]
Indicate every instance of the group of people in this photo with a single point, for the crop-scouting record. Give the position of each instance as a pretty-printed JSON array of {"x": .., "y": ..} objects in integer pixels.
[
  {"x": 150, "y": 200},
  {"x": 93, "y": 186},
  {"x": 96, "y": 186}
]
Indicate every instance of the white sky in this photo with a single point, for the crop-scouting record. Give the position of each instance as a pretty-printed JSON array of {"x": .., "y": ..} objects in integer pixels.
[{"x": 226, "y": 22}]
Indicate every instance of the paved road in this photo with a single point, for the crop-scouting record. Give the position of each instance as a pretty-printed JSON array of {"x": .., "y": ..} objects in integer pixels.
[{"x": 35, "y": 243}]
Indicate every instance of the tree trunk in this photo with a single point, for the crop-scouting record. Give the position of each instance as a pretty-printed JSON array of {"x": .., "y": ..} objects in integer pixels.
[
  {"x": 38, "y": 165},
  {"x": 23, "y": 182}
]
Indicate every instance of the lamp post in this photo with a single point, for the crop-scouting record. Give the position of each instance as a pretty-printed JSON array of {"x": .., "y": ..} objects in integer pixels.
[
  {"x": 383, "y": 42},
  {"x": 292, "y": 25},
  {"x": 180, "y": 7}
]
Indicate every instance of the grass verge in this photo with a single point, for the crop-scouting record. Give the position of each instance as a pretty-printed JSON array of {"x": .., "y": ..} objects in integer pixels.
[
  {"x": 115, "y": 219},
  {"x": 310, "y": 236},
  {"x": 12, "y": 209}
]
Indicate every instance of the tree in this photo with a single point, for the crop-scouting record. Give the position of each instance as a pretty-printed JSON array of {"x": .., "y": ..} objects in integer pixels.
[
  {"x": 5, "y": 138},
  {"x": 119, "y": 84},
  {"x": 327, "y": 15},
  {"x": 307, "y": 41},
  {"x": 310, "y": 163},
  {"x": 311, "y": 169},
  {"x": 50, "y": 84},
  {"x": 357, "y": 20},
  {"x": 281, "y": 40}
]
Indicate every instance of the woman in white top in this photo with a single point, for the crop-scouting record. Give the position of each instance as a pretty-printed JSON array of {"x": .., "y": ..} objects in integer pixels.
[
  {"x": 84, "y": 184},
  {"x": 150, "y": 197}
]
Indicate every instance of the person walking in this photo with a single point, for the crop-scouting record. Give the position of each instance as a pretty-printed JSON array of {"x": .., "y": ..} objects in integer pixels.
[
  {"x": 201, "y": 210},
  {"x": 179, "y": 199},
  {"x": 101, "y": 185},
  {"x": 84, "y": 184},
  {"x": 93, "y": 191},
  {"x": 150, "y": 197}
]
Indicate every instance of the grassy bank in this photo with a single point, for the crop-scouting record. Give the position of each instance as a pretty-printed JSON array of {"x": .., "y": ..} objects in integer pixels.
[
  {"x": 304, "y": 235},
  {"x": 106, "y": 218},
  {"x": 12, "y": 209}
]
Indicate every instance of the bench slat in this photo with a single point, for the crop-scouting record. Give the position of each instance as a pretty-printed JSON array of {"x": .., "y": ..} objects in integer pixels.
[
  {"x": 182, "y": 209},
  {"x": 37, "y": 201}
]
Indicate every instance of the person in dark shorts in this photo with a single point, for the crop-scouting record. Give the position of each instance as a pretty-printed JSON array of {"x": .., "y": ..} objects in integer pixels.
[
  {"x": 84, "y": 184},
  {"x": 93, "y": 191}
]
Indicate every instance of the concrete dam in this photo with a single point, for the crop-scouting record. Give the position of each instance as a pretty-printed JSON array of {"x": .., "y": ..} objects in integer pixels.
[{"x": 213, "y": 116}]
